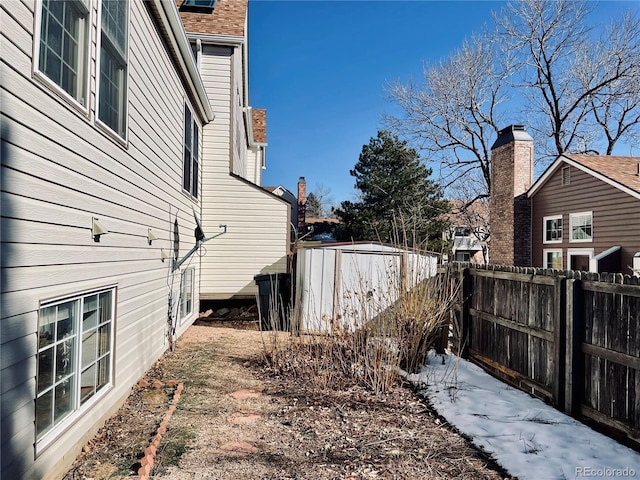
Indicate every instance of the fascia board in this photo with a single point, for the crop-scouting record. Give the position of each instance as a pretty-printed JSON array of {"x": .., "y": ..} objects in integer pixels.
[
  {"x": 169, "y": 18},
  {"x": 545, "y": 176},
  {"x": 216, "y": 39},
  {"x": 564, "y": 159}
]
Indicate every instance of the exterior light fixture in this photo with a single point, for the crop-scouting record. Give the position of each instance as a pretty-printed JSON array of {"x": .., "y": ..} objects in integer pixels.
[
  {"x": 97, "y": 229},
  {"x": 151, "y": 236}
]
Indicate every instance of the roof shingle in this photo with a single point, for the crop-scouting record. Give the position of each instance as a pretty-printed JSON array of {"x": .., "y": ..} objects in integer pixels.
[
  {"x": 228, "y": 18},
  {"x": 623, "y": 170}
]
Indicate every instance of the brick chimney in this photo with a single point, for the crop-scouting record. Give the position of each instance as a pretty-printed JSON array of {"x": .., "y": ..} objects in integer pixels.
[
  {"x": 511, "y": 177},
  {"x": 302, "y": 204}
]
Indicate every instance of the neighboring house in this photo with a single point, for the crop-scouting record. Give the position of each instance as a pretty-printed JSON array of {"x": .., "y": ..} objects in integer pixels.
[
  {"x": 290, "y": 198},
  {"x": 102, "y": 113},
  {"x": 468, "y": 231},
  {"x": 583, "y": 213},
  {"x": 257, "y": 222}
]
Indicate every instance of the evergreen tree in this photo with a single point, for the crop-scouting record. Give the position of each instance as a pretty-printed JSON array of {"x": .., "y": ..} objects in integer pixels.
[
  {"x": 398, "y": 202},
  {"x": 314, "y": 206}
]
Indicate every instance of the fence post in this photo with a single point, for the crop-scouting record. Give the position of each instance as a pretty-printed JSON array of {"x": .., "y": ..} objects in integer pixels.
[
  {"x": 559, "y": 342},
  {"x": 574, "y": 370},
  {"x": 465, "y": 335}
]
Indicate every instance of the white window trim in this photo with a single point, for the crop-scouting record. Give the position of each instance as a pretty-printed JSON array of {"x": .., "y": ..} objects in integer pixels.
[
  {"x": 189, "y": 271},
  {"x": 123, "y": 140},
  {"x": 551, "y": 250},
  {"x": 194, "y": 125},
  {"x": 544, "y": 228},
  {"x": 571, "y": 218},
  {"x": 52, "y": 435},
  {"x": 44, "y": 79},
  {"x": 582, "y": 251}
]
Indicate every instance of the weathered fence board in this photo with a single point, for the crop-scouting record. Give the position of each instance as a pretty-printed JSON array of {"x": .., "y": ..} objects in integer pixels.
[{"x": 571, "y": 338}]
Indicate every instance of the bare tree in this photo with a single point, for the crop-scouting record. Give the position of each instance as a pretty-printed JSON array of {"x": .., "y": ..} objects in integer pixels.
[
  {"x": 615, "y": 107},
  {"x": 469, "y": 209},
  {"x": 454, "y": 115},
  {"x": 323, "y": 202},
  {"x": 573, "y": 83}
]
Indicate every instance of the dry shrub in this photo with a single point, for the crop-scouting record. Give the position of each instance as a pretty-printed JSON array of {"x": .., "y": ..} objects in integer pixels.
[{"x": 380, "y": 332}]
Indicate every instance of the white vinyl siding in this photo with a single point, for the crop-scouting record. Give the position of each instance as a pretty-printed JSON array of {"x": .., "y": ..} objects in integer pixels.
[
  {"x": 254, "y": 165},
  {"x": 257, "y": 222},
  {"x": 59, "y": 171},
  {"x": 112, "y": 80},
  {"x": 239, "y": 160},
  {"x": 62, "y": 46}
]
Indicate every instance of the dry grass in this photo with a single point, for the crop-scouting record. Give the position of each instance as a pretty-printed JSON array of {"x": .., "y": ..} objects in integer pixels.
[
  {"x": 348, "y": 433},
  {"x": 385, "y": 327}
]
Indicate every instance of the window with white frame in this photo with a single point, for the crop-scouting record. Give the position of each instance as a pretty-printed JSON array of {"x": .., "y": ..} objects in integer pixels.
[
  {"x": 75, "y": 347},
  {"x": 552, "y": 229},
  {"x": 463, "y": 257},
  {"x": 553, "y": 259},
  {"x": 112, "y": 91},
  {"x": 186, "y": 293},
  {"x": 581, "y": 227},
  {"x": 62, "y": 49},
  {"x": 190, "y": 158}
]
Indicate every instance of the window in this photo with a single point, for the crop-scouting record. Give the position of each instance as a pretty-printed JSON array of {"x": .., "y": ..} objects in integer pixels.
[
  {"x": 581, "y": 227},
  {"x": 63, "y": 46},
  {"x": 552, "y": 229},
  {"x": 190, "y": 166},
  {"x": 198, "y": 5},
  {"x": 462, "y": 232},
  {"x": 186, "y": 293},
  {"x": 75, "y": 342},
  {"x": 553, "y": 259},
  {"x": 463, "y": 257},
  {"x": 113, "y": 66}
]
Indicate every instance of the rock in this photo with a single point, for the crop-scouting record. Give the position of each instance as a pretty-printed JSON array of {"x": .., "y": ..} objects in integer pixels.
[
  {"x": 238, "y": 448},
  {"x": 245, "y": 394},
  {"x": 144, "y": 383}
]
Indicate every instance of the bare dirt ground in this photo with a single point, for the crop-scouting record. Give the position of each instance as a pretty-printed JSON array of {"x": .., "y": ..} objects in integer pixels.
[{"x": 237, "y": 421}]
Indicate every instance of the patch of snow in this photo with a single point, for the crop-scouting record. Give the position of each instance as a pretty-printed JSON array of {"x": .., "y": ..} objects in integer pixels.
[{"x": 527, "y": 437}]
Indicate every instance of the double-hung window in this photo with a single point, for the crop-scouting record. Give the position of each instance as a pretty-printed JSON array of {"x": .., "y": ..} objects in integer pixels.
[
  {"x": 75, "y": 347},
  {"x": 62, "y": 54},
  {"x": 581, "y": 227},
  {"x": 112, "y": 91},
  {"x": 552, "y": 229},
  {"x": 190, "y": 159}
]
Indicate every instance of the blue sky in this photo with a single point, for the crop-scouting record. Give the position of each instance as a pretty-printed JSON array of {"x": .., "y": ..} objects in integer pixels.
[{"x": 320, "y": 69}]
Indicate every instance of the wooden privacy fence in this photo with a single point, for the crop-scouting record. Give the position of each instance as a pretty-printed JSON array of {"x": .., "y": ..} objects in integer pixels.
[{"x": 570, "y": 338}]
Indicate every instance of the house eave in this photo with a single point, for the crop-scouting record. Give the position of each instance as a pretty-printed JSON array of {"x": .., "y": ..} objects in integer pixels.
[
  {"x": 217, "y": 39},
  {"x": 169, "y": 18},
  {"x": 564, "y": 159}
]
